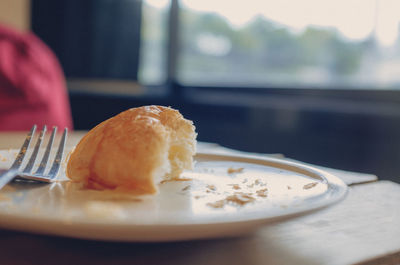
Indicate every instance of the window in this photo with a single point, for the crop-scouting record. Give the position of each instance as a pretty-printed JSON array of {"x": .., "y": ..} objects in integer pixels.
[
  {"x": 295, "y": 44},
  {"x": 349, "y": 44}
]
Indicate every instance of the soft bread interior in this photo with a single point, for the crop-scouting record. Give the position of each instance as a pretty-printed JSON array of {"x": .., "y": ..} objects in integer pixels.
[{"x": 182, "y": 144}]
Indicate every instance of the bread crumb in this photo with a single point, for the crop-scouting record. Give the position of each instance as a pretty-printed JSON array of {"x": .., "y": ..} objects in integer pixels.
[
  {"x": 211, "y": 187},
  {"x": 217, "y": 204},
  {"x": 234, "y": 170},
  {"x": 3, "y": 158},
  {"x": 310, "y": 185},
  {"x": 262, "y": 193},
  {"x": 289, "y": 188},
  {"x": 186, "y": 188},
  {"x": 235, "y": 186},
  {"x": 238, "y": 198},
  {"x": 175, "y": 179}
]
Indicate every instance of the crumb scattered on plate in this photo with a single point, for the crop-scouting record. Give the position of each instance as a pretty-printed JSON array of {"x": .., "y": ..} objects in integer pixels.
[
  {"x": 217, "y": 204},
  {"x": 3, "y": 158},
  {"x": 175, "y": 179},
  {"x": 235, "y": 186},
  {"x": 234, "y": 170},
  {"x": 211, "y": 187},
  {"x": 262, "y": 193},
  {"x": 310, "y": 185},
  {"x": 238, "y": 198},
  {"x": 186, "y": 188}
]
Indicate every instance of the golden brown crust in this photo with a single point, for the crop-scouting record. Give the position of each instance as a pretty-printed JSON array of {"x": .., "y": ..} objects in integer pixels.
[{"x": 131, "y": 150}]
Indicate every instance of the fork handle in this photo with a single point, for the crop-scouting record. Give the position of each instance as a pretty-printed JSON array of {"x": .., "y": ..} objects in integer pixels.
[{"x": 7, "y": 176}]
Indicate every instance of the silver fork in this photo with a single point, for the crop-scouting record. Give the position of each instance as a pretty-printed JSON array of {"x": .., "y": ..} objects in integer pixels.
[{"x": 14, "y": 171}]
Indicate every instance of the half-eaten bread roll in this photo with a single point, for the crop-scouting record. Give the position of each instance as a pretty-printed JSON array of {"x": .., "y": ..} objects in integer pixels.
[{"x": 134, "y": 150}]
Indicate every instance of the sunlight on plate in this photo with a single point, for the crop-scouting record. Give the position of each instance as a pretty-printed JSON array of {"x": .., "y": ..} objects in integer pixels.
[{"x": 238, "y": 193}]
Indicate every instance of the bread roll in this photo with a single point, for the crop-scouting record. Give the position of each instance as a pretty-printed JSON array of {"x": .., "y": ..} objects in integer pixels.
[{"x": 134, "y": 150}]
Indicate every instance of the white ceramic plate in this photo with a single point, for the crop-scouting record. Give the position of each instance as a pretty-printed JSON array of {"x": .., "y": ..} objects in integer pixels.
[{"x": 223, "y": 196}]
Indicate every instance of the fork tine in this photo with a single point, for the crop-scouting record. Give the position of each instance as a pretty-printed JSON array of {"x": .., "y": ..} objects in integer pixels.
[
  {"x": 18, "y": 160},
  {"x": 58, "y": 159},
  {"x": 46, "y": 155},
  {"x": 32, "y": 160}
]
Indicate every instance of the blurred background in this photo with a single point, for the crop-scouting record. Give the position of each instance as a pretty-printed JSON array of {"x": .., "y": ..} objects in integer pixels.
[{"x": 317, "y": 81}]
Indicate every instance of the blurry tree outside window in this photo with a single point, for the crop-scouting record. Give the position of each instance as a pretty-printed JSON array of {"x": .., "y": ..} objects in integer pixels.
[{"x": 297, "y": 44}]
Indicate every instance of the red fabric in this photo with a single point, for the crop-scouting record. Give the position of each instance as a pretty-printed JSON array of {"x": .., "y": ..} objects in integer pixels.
[{"x": 32, "y": 84}]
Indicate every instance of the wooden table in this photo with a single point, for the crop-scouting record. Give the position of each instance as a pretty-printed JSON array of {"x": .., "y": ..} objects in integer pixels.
[{"x": 362, "y": 229}]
